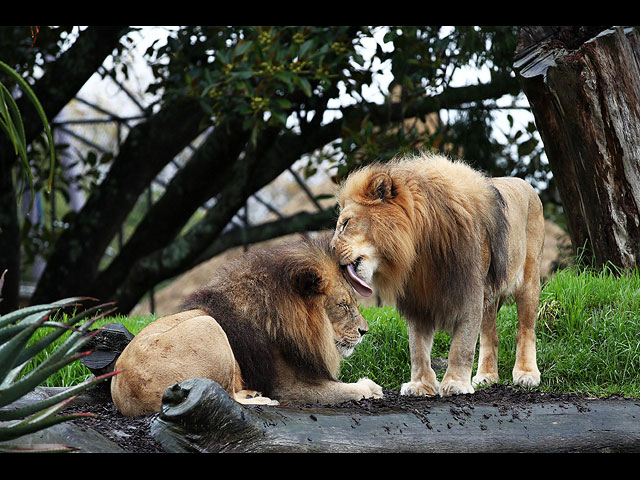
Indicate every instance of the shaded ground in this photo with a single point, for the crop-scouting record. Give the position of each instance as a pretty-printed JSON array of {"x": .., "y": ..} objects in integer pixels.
[{"x": 133, "y": 433}]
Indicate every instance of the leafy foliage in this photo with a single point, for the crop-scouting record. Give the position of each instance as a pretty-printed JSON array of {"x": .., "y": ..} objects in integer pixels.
[{"x": 263, "y": 74}]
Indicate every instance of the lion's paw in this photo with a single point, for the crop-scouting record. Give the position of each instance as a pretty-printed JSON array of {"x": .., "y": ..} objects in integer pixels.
[
  {"x": 450, "y": 387},
  {"x": 251, "y": 397},
  {"x": 373, "y": 389},
  {"x": 526, "y": 378},
  {"x": 484, "y": 379},
  {"x": 419, "y": 389}
]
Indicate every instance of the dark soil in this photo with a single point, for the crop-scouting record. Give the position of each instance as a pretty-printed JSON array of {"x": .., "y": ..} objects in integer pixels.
[{"x": 133, "y": 433}]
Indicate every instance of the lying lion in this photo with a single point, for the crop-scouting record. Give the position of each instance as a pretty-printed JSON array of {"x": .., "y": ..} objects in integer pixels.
[{"x": 276, "y": 321}]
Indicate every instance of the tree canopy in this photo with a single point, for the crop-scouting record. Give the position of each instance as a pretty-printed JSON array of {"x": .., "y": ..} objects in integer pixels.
[{"x": 258, "y": 99}]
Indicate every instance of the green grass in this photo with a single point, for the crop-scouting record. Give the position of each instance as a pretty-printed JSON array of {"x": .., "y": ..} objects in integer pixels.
[
  {"x": 588, "y": 338},
  {"x": 76, "y": 372}
]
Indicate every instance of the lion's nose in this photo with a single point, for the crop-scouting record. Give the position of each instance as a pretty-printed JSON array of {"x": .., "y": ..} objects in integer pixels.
[{"x": 363, "y": 331}]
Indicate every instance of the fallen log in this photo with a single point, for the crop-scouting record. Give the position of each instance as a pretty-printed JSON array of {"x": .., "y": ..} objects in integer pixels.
[{"x": 199, "y": 416}]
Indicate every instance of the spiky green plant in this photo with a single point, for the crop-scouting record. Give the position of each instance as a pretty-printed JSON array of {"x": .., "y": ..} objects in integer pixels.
[{"x": 17, "y": 351}]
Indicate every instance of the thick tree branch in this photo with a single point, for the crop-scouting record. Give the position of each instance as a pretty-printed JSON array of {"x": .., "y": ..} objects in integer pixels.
[
  {"x": 452, "y": 97},
  {"x": 68, "y": 74},
  {"x": 206, "y": 172},
  {"x": 250, "y": 174},
  {"x": 149, "y": 147},
  {"x": 166, "y": 262}
]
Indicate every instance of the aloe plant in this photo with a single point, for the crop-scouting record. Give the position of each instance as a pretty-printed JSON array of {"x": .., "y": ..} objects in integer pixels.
[{"x": 16, "y": 352}]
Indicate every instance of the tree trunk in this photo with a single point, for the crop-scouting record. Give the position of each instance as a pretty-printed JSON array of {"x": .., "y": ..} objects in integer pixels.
[
  {"x": 9, "y": 236},
  {"x": 583, "y": 85}
]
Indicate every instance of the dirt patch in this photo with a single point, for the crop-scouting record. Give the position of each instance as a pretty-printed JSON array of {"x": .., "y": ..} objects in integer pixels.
[{"x": 133, "y": 433}]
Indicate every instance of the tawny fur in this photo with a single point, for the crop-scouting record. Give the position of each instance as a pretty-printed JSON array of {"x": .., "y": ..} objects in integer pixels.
[
  {"x": 276, "y": 321},
  {"x": 447, "y": 245}
]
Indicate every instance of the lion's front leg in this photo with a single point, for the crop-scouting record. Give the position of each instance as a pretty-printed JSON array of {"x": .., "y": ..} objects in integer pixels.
[
  {"x": 331, "y": 392},
  {"x": 423, "y": 378},
  {"x": 487, "y": 372},
  {"x": 327, "y": 392},
  {"x": 457, "y": 378}
]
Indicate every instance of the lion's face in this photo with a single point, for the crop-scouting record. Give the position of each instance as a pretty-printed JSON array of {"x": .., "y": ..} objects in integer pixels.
[
  {"x": 349, "y": 326},
  {"x": 375, "y": 237},
  {"x": 355, "y": 249}
]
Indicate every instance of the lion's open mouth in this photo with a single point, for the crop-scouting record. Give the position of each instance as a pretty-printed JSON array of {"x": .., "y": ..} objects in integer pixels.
[{"x": 356, "y": 282}]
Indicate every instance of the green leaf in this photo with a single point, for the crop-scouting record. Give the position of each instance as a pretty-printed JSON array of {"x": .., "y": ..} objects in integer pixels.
[
  {"x": 11, "y": 123},
  {"x": 528, "y": 146},
  {"x": 22, "y": 313},
  {"x": 242, "y": 75},
  {"x": 27, "y": 383},
  {"x": 61, "y": 328},
  {"x": 304, "y": 84},
  {"x": 37, "y": 422},
  {"x": 9, "y": 350},
  {"x": 243, "y": 47},
  {"x": 36, "y": 103},
  {"x": 287, "y": 77},
  {"x": 281, "y": 117},
  {"x": 305, "y": 48},
  {"x": 7, "y": 415},
  {"x": 282, "y": 103}
]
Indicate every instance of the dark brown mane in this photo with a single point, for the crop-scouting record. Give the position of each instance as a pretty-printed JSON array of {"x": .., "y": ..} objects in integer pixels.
[{"x": 268, "y": 302}]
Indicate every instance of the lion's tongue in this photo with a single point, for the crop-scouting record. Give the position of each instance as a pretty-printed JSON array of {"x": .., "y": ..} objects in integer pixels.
[{"x": 356, "y": 282}]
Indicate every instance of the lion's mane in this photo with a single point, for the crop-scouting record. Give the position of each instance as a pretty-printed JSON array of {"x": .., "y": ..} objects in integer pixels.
[{"x": 267, "y": 303}]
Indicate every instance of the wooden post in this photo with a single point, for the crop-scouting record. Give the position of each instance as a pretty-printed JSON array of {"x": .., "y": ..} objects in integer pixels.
[{"x": 583, "y": 85}]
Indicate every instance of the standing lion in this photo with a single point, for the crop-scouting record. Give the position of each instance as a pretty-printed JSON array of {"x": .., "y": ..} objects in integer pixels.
[{"x": 447, "y": 245}]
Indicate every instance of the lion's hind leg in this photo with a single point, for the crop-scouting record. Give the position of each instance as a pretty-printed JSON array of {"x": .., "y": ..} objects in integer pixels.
[
  {"x": 525, "y": 369},
  {"x": 252, "y": 397},
  {"x": 527, "y": 297}
]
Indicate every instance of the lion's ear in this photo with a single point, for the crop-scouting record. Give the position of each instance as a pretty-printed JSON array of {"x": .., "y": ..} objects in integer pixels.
[
  {"x": 309, "y": 281},
  {"x": 380, "y": 188}
]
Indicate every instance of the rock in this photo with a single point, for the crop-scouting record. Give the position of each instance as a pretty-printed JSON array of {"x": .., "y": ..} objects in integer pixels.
[
  {"x": 108, "y": 343},
  {"x": 68, "y": 434}
]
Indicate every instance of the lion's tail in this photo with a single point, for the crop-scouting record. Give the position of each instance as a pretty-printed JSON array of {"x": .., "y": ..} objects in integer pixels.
[{"x": 498, "y": 230}]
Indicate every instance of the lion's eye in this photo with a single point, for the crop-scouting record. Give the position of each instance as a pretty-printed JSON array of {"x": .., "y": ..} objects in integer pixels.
[
  {"x": 344, "y": 224},
  {"x": 345, "y": 306}
]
